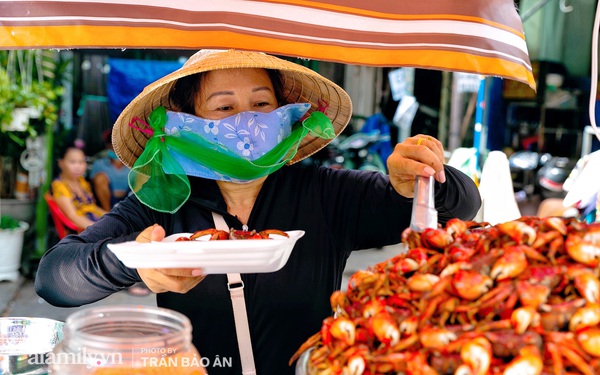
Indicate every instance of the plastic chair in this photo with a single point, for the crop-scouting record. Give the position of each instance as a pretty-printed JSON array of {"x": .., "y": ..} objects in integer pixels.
[{"x": 62, "y": 224}]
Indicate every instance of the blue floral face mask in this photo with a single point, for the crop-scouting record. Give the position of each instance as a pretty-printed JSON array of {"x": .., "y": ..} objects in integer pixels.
[
  {"x": 240, "y": 148},
  {"x": 250, "y": 135}
]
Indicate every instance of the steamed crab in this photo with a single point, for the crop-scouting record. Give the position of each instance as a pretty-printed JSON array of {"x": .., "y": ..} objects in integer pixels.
[
  {"x": 521, "y": 297},
  {"x": 233, "y": 234}
]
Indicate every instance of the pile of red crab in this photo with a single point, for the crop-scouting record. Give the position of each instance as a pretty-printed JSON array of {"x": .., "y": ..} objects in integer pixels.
[{"x": 521, "y": 297}]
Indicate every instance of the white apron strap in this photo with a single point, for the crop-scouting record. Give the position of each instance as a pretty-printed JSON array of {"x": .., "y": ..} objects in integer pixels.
[{"x": 236, "y": 289}]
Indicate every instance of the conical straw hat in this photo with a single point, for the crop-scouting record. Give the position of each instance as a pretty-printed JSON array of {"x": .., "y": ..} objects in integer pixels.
[{"x": 300, "y": 84}]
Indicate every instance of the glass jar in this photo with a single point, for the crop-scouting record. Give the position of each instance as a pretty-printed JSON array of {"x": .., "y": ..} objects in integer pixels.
[{"x": 126, "y": 340}]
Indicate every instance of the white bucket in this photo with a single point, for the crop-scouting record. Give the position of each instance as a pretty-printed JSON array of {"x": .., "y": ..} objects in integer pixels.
[{"x": 11, "y": 250}]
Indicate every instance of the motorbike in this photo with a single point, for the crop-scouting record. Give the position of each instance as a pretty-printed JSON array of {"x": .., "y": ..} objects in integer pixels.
[
  {"x": 552, "y": 175},
  {"x": 352, "y": 152},
  {"x": 539, "y": 173},
  {"x": 356, "y": 152},
  {"x": 524, "y": 166}
]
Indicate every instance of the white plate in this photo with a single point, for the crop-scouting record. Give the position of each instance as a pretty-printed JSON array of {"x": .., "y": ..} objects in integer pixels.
[{"x": 215, "y": 257}]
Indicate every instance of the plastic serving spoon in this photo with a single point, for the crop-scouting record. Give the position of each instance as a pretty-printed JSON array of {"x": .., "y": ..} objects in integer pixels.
[{"x": 424, "y": 215}]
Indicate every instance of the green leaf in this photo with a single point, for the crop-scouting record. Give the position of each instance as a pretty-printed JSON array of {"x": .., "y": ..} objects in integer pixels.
[{"x": 8, "y": 222}]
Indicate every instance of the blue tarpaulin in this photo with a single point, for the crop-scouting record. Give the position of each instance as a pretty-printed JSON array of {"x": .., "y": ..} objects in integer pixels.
[
  {"x": 128, "y": 77},
  {"x": 378, "y": 122}
]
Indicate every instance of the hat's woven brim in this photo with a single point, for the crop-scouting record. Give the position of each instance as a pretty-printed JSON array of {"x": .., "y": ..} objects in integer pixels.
[{"x": 301, "y": 85}]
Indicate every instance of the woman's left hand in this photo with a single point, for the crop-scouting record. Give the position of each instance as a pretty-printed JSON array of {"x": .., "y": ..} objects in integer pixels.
[
  {"x": 160, "y": 280},
  {"x": 420, "y": 155}
]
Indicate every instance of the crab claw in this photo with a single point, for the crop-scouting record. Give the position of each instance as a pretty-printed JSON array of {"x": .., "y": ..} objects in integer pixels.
[
  {"x": 453, "y": 267},
  {"x": 532, "y": 294},
  {"x": 477, "y": 354},
  {"x": 408, "y": 326},
  {"x": 436, "y": 338},
  {"x": 556, "y": 223},
  {"x": 518, "y": 231},
  {"x": 510, "y": 265},
  {"x": 214, "y": 234},
  {"x": 385, "y": 329},
  {"x": 343, "y": 329},
  {"x": 587, "y": 316},
  {"x": 436, "y": 238},
  {"x": 586, "y": 283},
  {"x": 356, "y": 363},
  {"x": 240, "y": 234},
  {"x": 523, "y": 318},
  {"x": 405, "y": 265},
  {"x": 529, "y": 361},
  {"x": 422, "y": 282},
  {"x": 418, "y": 364},
  {"x": 338, "y": 300},
  {"x": 267, "y": 232},
  {"x": 589, "y": 340},
  {"x": 418, "y": 254},
  {"x": 372, "y": 308},
  {"x": 456, "y": 227},
  {"x": 586, "y": 249},
  {"x": 464, "y": 369},
  {"x": 470, "y": 284}
]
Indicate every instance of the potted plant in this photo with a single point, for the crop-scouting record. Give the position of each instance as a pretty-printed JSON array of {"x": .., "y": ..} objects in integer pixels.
[
  {"x": 28, "y": 108},
  {"x": 26, "y": 111},
  {"x": 11, "y": 237}
]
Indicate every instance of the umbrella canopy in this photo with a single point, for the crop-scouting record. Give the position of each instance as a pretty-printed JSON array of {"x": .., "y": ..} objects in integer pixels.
[{"x": 475, "y": 36}]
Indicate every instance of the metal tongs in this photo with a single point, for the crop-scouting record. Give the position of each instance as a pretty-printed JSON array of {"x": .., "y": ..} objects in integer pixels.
[{"x": 424, "y": 215}]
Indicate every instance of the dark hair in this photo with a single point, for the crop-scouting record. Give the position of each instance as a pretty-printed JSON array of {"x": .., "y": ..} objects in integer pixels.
[
  {"x": 183, "y": 93},
  {"x": 68, "y": 148}
]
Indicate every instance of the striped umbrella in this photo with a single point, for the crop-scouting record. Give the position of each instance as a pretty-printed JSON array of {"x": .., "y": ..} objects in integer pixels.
[{"x": 476, "y": 36}]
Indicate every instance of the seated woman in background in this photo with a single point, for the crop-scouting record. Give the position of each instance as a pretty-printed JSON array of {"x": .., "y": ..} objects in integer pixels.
[
  {"x": 109, "y": 176},
  {"x": 72, "y": 192},
  {"x": 73, "y": 195}
]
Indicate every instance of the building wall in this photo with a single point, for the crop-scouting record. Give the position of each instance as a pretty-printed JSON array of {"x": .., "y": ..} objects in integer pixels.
[{"x": 554, "y": 33}]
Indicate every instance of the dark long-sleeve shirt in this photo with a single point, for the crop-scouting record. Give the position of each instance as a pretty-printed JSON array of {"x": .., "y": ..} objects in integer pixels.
[{"x": 340, "y": 211}]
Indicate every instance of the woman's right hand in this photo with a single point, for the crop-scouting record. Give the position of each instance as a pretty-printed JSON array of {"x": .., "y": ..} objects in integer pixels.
[{"x": 159, "y": 280}]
